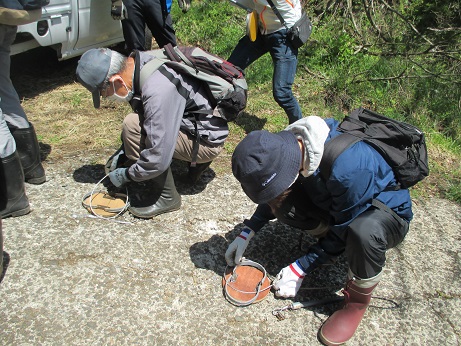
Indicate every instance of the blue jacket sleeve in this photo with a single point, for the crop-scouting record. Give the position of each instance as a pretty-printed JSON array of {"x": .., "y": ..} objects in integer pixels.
[{"x": 260, "y": 217}]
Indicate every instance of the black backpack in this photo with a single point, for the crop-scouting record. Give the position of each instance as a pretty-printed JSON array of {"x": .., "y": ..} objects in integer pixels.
[{"x": 402, "y": 145}]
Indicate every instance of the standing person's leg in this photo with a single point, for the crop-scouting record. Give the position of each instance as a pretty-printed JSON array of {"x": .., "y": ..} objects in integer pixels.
[
  {"x": 13, "y": 199},
  {"x": 134, "y": 26},
  {"x": 29, "y": 153},
  {"x": 285, "y": 60},
  {"x": 21, "y": 129},
  {"x": 2, "y": 274},
  {"x": 368, "y": 238},
  {"x": 247, "y": 52},
  {"x": 1, "y": 250},
  {"x": 159, "y": 21},
  {"x": 9, "y": 99},
  {"x": 7, "y": 143}
]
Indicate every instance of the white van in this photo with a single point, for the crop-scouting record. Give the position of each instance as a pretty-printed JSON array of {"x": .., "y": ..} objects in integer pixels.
[{"x": 71, "y": 27}]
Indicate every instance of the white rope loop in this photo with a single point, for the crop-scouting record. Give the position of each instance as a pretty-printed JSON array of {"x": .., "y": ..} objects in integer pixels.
[
  {"x": 228, "y": 283},
  {"x": 117, "y": 212}
]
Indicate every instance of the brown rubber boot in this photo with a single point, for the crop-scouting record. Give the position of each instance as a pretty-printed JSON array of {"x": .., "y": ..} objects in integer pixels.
[{"x": 341, "y": 326}]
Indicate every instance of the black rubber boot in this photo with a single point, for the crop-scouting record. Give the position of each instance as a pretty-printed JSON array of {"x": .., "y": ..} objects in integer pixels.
[
  {"x": 29, "y": 153},
  {"x": 196, "y": 172},
  {"x": 165, "y": 199},
  {"x": 13, "y": 199}
]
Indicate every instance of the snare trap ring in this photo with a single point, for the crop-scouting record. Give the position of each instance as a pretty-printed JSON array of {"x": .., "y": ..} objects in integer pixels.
[
  {"x": 104, "y": 204},
  {"x": 246, "y": 283}
]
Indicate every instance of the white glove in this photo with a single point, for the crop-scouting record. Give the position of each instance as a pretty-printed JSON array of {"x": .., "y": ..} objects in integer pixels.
[
  {"x": 236, "y": 249},
  {"x": 119, "y": 177},
  {"x": 288, "y": 281}
]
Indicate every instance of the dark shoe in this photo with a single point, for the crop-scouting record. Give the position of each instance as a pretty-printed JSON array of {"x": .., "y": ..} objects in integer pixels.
[
  {"x": 164, "y": 200},
  {"x": 6, "y": 262},
  {"x": 341, "y": 326},
  {"x": 196, "y": 172},
  {"x": 29, "y": 153},
  {"x": 13, "y": 199}
]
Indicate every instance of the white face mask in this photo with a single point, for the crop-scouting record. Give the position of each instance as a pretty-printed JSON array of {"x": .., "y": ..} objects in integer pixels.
[{"x": 117, "y": 98}]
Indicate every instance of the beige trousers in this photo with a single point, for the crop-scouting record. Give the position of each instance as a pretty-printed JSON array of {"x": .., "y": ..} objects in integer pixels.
[{"x": 134, "y": 143}]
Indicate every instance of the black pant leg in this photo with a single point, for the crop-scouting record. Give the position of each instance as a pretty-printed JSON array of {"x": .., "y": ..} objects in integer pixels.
[
  {"x": 159, "y": 22},
  {"x": 134, "y": 26},
  {"x": 368, "y": 238}
]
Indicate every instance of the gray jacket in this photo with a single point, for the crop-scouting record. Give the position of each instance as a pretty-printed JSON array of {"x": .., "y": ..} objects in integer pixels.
[{"x": 169, "y": 100}]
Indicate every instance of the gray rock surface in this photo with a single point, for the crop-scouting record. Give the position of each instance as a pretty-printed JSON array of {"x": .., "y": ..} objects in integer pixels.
[{"x": 77, "y": 280}]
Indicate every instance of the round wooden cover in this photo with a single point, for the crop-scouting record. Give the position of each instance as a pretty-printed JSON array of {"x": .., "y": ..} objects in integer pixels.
[
  {"x": 243, "y": 286},
  {"x": 104, "y": 204}
]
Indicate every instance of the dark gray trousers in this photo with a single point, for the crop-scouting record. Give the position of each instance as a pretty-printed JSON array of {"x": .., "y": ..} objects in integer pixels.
[{"x": 366, "y": 239}]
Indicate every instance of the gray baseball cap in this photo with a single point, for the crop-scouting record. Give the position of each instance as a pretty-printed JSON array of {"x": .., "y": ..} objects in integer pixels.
[{"x": 92, "y": 70}]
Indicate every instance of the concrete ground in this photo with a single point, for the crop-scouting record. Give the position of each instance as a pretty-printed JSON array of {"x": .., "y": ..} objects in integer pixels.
[{"x": 77, "y": 280}]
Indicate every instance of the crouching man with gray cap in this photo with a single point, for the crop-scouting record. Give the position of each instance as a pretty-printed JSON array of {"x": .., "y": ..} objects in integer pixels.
[
  {"x": 165, "y": 124},
  {"x": 356, "y": 210}
]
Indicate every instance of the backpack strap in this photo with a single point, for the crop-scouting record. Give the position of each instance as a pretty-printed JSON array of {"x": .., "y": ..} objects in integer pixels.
[
  {"x": 333, "y": 148},
  {"x": 136, "y": 102},
  {"x": 277, "y": 13},
  {"x": 171, "y": 53},
  {"x": 196, "y": 145},
  {"x": 148, "y": 69},
  {"x": 185, "y": 59}
]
